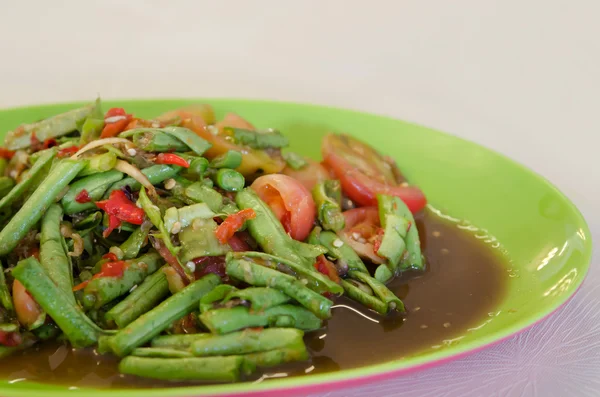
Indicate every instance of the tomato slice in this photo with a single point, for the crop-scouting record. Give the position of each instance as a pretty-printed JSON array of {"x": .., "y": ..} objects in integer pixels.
[
  {"x": 310, "y": 175},
  {"x": 364, "y": 173},
  {"x": 362, "y": 232},
  {"x": 290, "y": 201}
]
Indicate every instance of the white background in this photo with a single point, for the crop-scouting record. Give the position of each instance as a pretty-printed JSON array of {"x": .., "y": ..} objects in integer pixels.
[{"x": 521, "y": 77}]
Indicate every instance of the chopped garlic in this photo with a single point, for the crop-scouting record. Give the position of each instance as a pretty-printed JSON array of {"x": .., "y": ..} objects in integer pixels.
[
  {"x": 170, "y": 183},
  {"x": 132, "y": 152},
  {"x": 191, "y": 265},
  {"x": 176, "y": 228}
]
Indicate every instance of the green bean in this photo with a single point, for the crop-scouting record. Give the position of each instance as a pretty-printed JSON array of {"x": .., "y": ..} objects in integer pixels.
[
  {"x": 362, "y": 297},
  {"x": 229, "y": 180},
  {"x": 155, "y": 174},
  {"x": 260, "y": 276},
  {"x": 344, "y": 254},
  {"x": 414, "y": 259},
  {"x": 268, "y": 232},
  {"x": 190, "y": 138},
  {"x": 53, "y": 257},
  {"x": 147, "y": 295},
  {"x": 160, "y": 352},
  {"x": 382, "y": 292},
  {"x": 179, "y": 342},
  {"x": 176, "y": 219},
  {"x": 230, "y": 159},
  {"x": 5, "y": 297},
  {"x": 102, "y": 290},
  {"x": 294, "y": 160},
  {"x": 157, "y": 141},
  {"x": 95, "y": 185},
  {"x": 328, "y": 198},
  {"x": 52, "y": 127},
  {"x": 310, "y": 277},
  {"x": 198, "y": 166},
  {"x": 199, "y": 240},
  {"x": 247, "y": 341},
  {"x": 258, "y": 140},
  {"x": 47, "y": 331},
  {"x": 99, "y": 163},
  {"x": 79, "y": 329},
  {"x": 104, "y": 344},
  {"x": 200, "y": 193},
  {"x": 37, "y": 169},
  {"x": 225, "y": 320},
  {"x": 152, "y": 323},
  {"x": 261, "y": 298},
  {"x": 135, "y": 242},
  {"x": 33, "y": 209},
  {"x": 217, "y": 294},
  {"x": 216, "y": 369},
  {"x": 91, "y": 129},
  {"x": 275, "y": 357},
  {"x": 6, "y": 185}
]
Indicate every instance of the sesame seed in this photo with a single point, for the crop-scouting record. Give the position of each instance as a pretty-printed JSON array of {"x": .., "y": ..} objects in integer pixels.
[
  {"x": 446, "y": 325},
  {"x": 416, "y": 309},
  {"x": 436, "y": 234},
  {"x": 155, "y": 125},
  {"x": 114, "y": 119},
  {"x": 132, "y": 152},
  {"x": 132, "y": 288},
  {"x": 355, "y": 236},
  {"x": 212, "y": 129},
  {"x": 337, "y": 243},
  {"x": 423, "y": 326},
  {"x": 191, "y": 265},
  {"x": 170, "y": 183},
  {"x": 445, "y": 251}
]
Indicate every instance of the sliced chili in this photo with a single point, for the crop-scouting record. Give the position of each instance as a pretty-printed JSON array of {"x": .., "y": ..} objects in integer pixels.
[
  {"x": 6, "y": 154},
  {"x": 232, "y": 224},
  {"x": 68, "y": 151},
  {"x": 173, "y": 159},
  {"x": 83, "y": 197},
  {"x": 120, "y": 208}
]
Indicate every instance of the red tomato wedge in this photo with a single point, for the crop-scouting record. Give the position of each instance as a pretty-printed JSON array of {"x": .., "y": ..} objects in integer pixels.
[
  {"x": 364, "y": 173},
  {"x": 310, "y": 175},
  {"x": 362, "y": 232},
  {"x": 291, "y": 202}
]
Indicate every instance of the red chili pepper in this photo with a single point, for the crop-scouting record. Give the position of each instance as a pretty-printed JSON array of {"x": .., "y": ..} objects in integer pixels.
[
  {"x": 48, "y": 143},
  {"x": 378, "y": 240},
  {"x": 110, "y": 256},
  {"x": 109, "y": 269},
  {"x": 327, "y": 268},
  {"x": 120, "y": 208},
  {"x": 68, "y": 151},
  {"x": 10, "y": 339},
  {"x": 232, "y": 224},
  {"x": 170, "y": 158},
  {"x": 6, "y": 154},
  {"x": 83, "y": 197},
  {"x": 114, "y": 128}
]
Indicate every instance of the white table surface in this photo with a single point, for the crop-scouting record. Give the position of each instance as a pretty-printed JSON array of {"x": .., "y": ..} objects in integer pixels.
[{"x": 519, "y": 76}]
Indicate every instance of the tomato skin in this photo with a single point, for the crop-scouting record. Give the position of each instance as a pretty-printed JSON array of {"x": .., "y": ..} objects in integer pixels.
[
  {"x": 364, "y": 223},
  {"x": 310, "y": 175},
  {"x": 364, "y": 173},
  {"x": 290, "y": 201},
  {"x": 323, "y": 266}
]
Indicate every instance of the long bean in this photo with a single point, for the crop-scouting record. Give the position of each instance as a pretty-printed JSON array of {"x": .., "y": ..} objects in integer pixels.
[
  {"x": 147, "y": 295},
  {"x": 344, "y": 254},
  {"x": 79, "y": 329},
  {"x": 37, "y": 204},
  {"x": 276, "y": 357},
  {"x": 225, "y": 320},
  {"x": 218, "y": 293},
  {"x": 179, "y": 341},
  {"x": 362, "y": 297},
  {"x": 38, "y": 168},
  {"x": 52, "y": 127},
  {"x": 216, "y": 369},
  {"x": 268, "y": 232},
  {"x": 382, "y": 292},
  {"x": 135, "y": 242},
  {"x": 160, "y": 352},
  {"x": 247, "y": 341},
  {"x": 100, "y": 291},
  {"x": 5, "y": 297},
  {"x": 53, "y": 257},
  {"x": 261, "y": 298},
  {"x": 328, "y": 198},
  {"x": 155, "y": 174},
  {"x": 6, "y": 185},
  {"x": 260, "y": 276},
  {"x": 152, "y": 323}
]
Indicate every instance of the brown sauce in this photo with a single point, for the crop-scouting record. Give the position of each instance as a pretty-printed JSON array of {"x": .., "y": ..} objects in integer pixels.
[{"x": 464, "y": 281}]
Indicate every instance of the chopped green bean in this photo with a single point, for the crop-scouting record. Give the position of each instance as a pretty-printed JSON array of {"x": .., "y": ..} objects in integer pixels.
[
  {"x": 229, "y": 180},
  {"x": 216, "y": 369},
  {"x": 179, "y": 342},
  {"x": 230, "y": 159}
]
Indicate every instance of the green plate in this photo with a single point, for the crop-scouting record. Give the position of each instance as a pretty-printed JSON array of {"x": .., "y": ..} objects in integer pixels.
[{"x": 545, "y": 237}]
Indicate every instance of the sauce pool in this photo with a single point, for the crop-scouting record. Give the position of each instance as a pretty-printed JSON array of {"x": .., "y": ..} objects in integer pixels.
[{"x": 464, "y": 281}]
